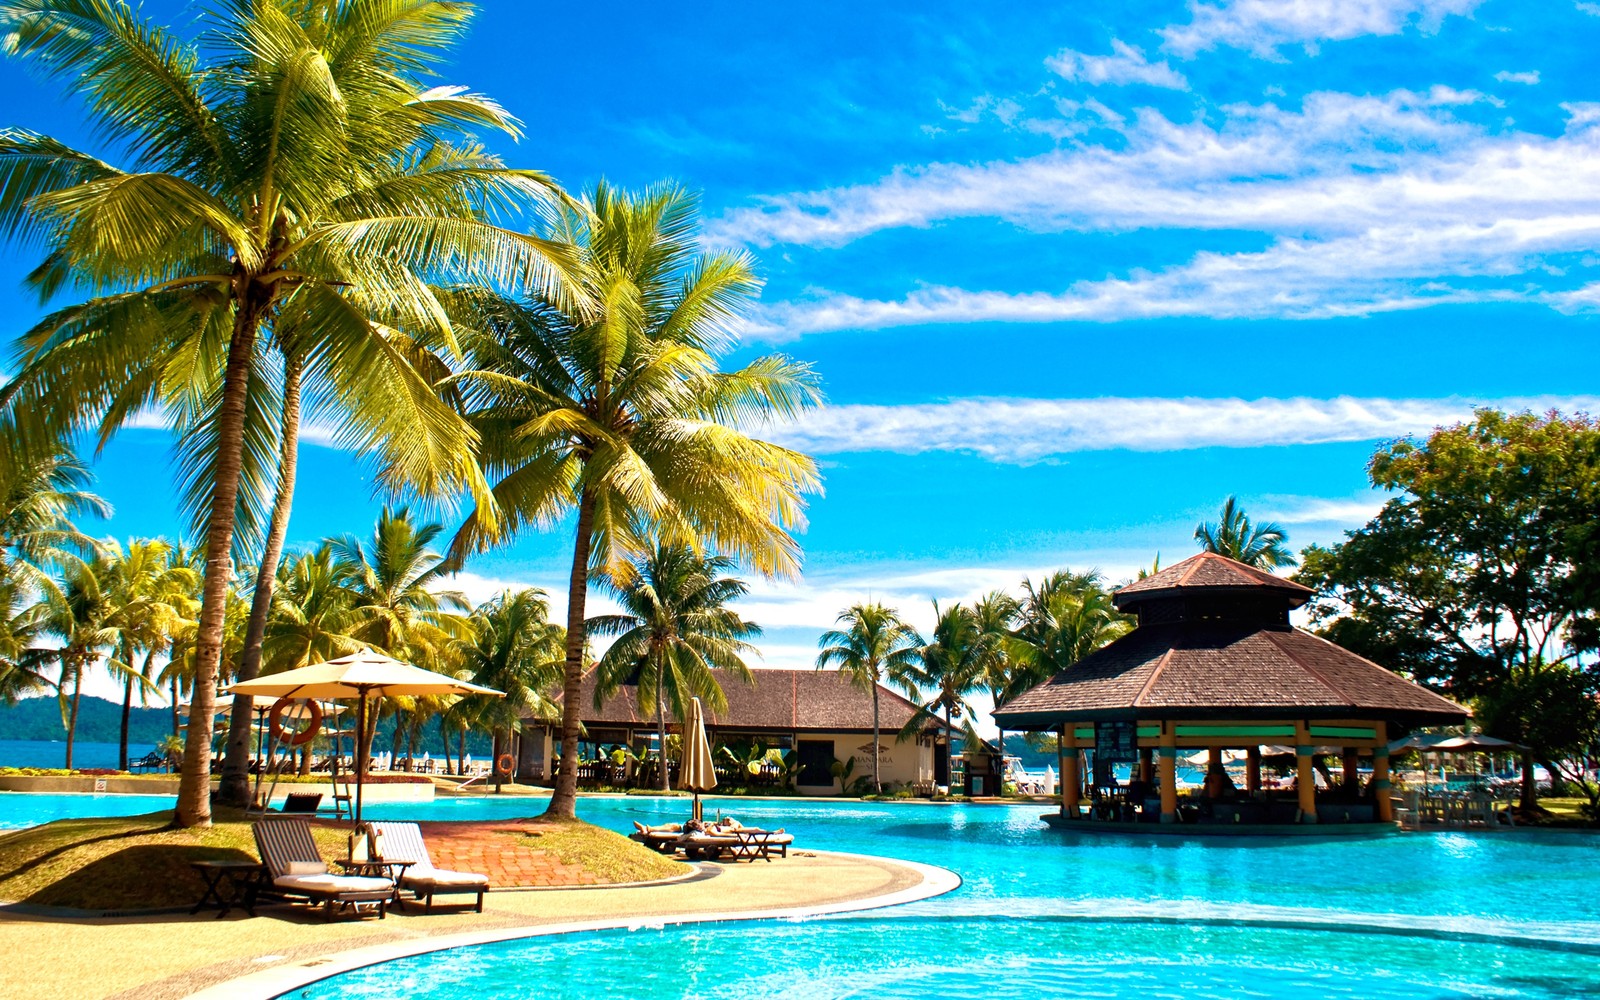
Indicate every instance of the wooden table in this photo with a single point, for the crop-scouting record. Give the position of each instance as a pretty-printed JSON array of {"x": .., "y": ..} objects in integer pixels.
[{"x": 241, "y": 878}]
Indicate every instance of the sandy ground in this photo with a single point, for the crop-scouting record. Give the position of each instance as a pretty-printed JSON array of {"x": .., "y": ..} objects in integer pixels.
[{"x": 158, "y": 957}]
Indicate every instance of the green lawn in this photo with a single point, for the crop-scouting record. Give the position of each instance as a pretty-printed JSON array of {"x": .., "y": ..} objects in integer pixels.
[{"x": 613, "y": 858}]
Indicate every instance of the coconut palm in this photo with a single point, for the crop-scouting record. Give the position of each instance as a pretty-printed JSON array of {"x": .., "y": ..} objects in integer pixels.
[
  {"x": 311, "y": 614},
  {"x": 873, "y": 647},
  {"x": 393, "y": 607},
  {"x": 674, "y": 630},
  {"x": 958, "y": 661},
  {"x": 515, "y": 649},
  {"x": 40, "y": 496},
  {"x": 24, "y": 632},
  {"x": 150, "y": 597},
  {"x": 81, "y": 619},
  {"x": 622, "y": 416},
  {"x": 1264, "y": 546},
  {"x": 1063, "y": 618},
  {"x": 289, "y": 177}
]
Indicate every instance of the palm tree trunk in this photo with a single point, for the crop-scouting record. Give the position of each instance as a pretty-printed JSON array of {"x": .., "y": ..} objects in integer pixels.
[
  {"x": 194, "y": 785},
  {"x": 127, "y": 710},
  {"x": 877, "y": 786},
  {"x": 77, "y": 699},
  {"x": 175, "y": 726},
  {"x": 461, "y": 753},
  {"x": 235, "y": 788},
  {"x": 564, "y": 800},
  {"x": 661, "y": 729}
]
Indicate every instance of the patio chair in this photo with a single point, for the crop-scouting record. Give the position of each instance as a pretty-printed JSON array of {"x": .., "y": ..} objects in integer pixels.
[
  {"x": 403, "y": 842},
  {"x": 304, "y": 803},
  {"x": 295, "y": 871}
]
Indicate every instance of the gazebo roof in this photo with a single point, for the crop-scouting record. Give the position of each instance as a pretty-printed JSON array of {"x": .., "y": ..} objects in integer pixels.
[
  {"x": 1209, "y": 573},
  {"x": 1226, "y": 671}
]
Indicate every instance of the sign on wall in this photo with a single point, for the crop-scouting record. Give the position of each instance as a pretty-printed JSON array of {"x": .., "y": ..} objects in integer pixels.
[{"x": 1116, "y": 742}]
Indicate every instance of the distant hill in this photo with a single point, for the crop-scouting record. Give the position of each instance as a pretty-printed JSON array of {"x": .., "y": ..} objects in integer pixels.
[{"x": 99, "y": 721}]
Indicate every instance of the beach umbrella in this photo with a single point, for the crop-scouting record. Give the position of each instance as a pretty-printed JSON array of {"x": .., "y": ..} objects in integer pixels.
[
  {"x": 1475, "y": 742},
  {"x": 698, "y": 775},
  {"x": 1049, "y": 780},
  {"x": 360, "y": 676}
]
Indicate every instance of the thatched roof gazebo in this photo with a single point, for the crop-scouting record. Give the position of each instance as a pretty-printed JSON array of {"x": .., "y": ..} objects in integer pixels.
[{"x": 1214, "y": 663}]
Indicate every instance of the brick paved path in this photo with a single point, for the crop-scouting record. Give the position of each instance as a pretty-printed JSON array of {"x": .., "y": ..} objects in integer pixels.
[{"x": 494, "y": 848}]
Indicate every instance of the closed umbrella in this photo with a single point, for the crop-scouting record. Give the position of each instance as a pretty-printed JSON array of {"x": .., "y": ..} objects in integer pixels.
[
  {"x": 360, "y": 676},
  {"x": 697, "y": 773}
]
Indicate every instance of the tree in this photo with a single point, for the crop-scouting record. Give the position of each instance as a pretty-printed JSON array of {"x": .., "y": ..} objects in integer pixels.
[
  {"x": 40, "y": 495},
  {"x": 621, "y": 416},
  {"x": 150, "y": 599},
  {"x": 514, "y": 648},
  {"x": 288, "y": 173},
  {"x": 1264, "y": 546},
  {"x": 874, "y": 646},
  {"x": 964, "y": 653},
  {"x": 1480, "y": 575},
  {"x": 24, "y": 630},
  {"x": 674, "y": 630},
  {"x": 81, "y": 619},
  {"x": 311, "y": 614},
  {"x": 392, "y": 606}
]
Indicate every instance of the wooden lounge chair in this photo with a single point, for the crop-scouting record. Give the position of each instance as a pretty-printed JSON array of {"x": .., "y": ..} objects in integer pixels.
[
  {"x": 658, "y": 838},
  {"x": 757, "y": 843},
  {"x": 403, "y": 842},
  {"x": 295, "y": 870},
  {"x": 301, "y": 802}
]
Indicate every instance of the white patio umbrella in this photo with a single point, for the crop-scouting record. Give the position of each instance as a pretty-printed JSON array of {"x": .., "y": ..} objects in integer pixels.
[
  {"x": 1049, "y": 780},
  {"x": 697, "y": 774},
  {"x": 360, "y": 676}
]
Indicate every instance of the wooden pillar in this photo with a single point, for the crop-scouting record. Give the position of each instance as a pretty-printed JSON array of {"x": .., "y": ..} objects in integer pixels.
[
  {"x": 1252, "y": 770},
  {"x": 1146, "y": 765},
  {"x": 1169, "y": 772},
  {"x": 1070, "y": 785},
  {"x": 1352, "y": 771},
  {"x": 1213, "y": 768},
  {"x": 1380, "y": 775},
  {"x": 1305, "y": 781}
]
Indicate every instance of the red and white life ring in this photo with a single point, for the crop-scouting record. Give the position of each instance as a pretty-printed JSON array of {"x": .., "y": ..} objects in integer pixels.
[
  {"x": 292, "y": 737},
  {"x": 506, "y": 764}
]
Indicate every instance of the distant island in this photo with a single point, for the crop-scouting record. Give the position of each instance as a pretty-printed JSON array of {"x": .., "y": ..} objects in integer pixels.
[{"x": 99, "y": 721}]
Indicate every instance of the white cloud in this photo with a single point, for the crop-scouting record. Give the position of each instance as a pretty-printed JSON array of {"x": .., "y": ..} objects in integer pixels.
[
  {"x": 1339, "y": 164},
  {"x": 1506, "y": 76},
  {"x": 1125, "y": 65},
  {"x": 1592, "y": 9},
  {"x": 1031, "y": 430},
  {"x": 1350, "y": 512},
  {"x": 1262, "y": 26}
]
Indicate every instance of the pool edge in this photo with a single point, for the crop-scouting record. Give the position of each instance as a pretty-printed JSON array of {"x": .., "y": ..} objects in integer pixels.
[{"x": 269, "y": 983}]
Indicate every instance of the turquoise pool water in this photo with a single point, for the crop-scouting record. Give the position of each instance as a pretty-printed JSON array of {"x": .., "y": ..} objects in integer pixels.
[{"x": 1079, "y": 913}]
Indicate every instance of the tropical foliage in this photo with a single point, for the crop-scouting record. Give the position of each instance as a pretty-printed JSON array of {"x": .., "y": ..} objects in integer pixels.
[
  {"x": 618, "y": 413},
  {"x": 873, "y": 646},
  {"x": 1233, "y": 534},
  {"x": 675, "y": 629}
]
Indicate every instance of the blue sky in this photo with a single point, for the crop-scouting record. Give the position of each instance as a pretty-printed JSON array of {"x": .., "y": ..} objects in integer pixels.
[{"x": 1071, "y": 275}]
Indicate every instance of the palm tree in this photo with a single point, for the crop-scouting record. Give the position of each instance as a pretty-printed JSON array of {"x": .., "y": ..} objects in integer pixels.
[
  {"x": 149, "y": 596},
  {"x": 81, "y": 618},
  {"x": 1264, "y": 546},
  {"x": 959, "y": 660},
  {"x": 873, "y": 647},
  {"x": 621, "y": 414},
  {"x": 311, "y": 614},
  {"x": 517, "y": 650},
  {"x": 40, "y": 495},
  {"x": 674, "y": 630},
  {"x": 291, "y": 177},
  {"x": 392, "y": 608},
  {"x": 24, "y": 630}
]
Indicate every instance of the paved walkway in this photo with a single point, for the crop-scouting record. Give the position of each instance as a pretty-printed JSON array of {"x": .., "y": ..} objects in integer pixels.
[
  {"x": 173, "y": 956},
  {"x": 496, "y": 850}
]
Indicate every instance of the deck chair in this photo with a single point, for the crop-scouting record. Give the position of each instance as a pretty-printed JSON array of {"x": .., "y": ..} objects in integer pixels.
[
  {"x": 301, "y": 802},
  {"x": 403, "y": 842},
  {"x": 295, "y": 870}
]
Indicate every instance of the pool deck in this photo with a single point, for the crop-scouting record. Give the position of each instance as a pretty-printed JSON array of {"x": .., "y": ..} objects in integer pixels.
[{"x": 242, "y": 957}]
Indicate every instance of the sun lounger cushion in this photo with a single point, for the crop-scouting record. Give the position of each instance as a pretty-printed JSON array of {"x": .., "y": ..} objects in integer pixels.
[
  {"x": 325, "y": 883},
  {"x": 306, "y": 868},
  {"x": 443, "y": 877}
]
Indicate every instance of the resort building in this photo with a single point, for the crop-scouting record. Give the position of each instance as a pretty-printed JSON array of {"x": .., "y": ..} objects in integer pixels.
[
  {"x": 819, "y": 714},
  {"x": 1215, "y": 667}
]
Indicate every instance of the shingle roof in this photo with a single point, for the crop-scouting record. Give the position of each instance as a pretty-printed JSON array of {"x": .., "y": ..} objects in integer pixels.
[
  {"x": 782, "y": 700},
  {"x": 1226, "y": 670},
  {"x": 1209, "y": 573}
]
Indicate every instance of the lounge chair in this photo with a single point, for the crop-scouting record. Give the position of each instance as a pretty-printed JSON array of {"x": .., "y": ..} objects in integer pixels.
[
  {"x": 295, "y": 870},
  {"x": 403, "y": 842},
  {"x": 658, "y": 838},
  {"x": 301, "y": 802}
]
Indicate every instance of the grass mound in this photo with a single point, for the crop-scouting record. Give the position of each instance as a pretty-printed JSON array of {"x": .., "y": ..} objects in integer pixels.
[
  {"x": 611, "y": 857},
  {"x": 124, "y": 862}
]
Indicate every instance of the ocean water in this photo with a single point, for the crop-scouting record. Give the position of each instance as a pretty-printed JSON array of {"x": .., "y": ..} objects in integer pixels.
[{"x": 53, "y": 753}]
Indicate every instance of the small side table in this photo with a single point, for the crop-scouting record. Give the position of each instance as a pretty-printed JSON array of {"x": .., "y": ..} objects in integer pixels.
[
  {"x": 239, "y": 876},
  {"x": 394, "y": 871}
]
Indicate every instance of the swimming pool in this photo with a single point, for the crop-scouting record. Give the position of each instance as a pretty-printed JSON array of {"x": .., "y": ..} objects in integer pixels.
[{"x": 1029, "y": 891}]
